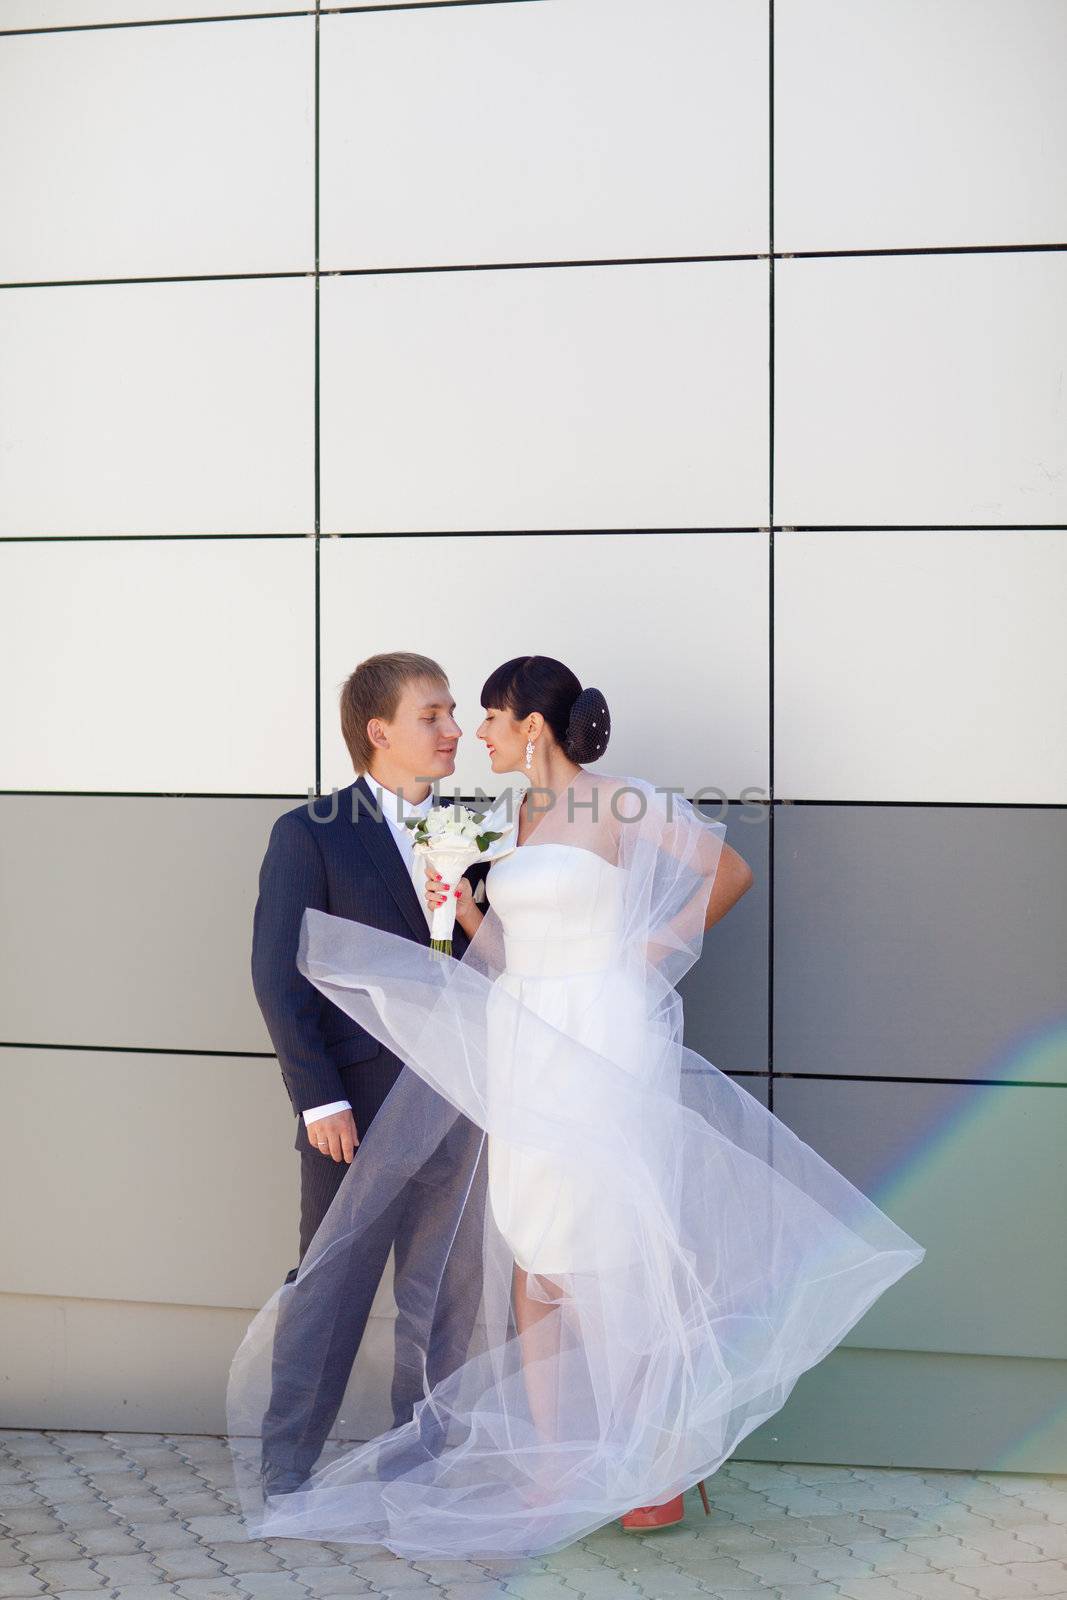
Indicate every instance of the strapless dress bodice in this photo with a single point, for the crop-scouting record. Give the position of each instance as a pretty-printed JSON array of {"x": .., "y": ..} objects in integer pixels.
[{"x": 560, "y": 908}]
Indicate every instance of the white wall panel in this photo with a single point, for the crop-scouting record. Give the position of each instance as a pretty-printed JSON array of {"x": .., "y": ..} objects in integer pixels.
[
  {"x": 626, "y": 397},
  {"x": 158, "y": 408},
  {"x": 672, "y": 627},
  {"x": 174, "y": 666},
  {"x": 80, "y": 13},
  {"x": 556, "y": 132},
  {"x": 908, "y": 122},
  {"x": 180, "y": 150},
  {"x": 921, "y": 666},
  {"x": 921, "y": 389}
]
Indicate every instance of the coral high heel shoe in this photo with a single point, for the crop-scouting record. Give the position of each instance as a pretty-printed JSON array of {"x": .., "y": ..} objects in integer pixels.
[{"x": 668, "y": 1515}]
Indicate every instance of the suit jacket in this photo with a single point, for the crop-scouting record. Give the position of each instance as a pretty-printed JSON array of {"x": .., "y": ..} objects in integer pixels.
[{"x": 350, "y": 869}]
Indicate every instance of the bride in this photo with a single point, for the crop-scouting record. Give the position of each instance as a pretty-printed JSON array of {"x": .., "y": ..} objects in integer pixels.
[{"x": 657, "y": 1257}]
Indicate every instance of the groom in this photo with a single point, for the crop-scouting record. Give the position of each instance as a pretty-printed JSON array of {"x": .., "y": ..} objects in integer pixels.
[{"x": 397, "y": 721}]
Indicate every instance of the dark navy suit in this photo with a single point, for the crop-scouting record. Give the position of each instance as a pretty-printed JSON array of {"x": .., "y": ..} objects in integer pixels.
[{"x": 355, "y": 870}]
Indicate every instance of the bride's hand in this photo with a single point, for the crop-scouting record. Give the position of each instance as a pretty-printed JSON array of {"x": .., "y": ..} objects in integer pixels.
[{"x": 438, "y": 891}]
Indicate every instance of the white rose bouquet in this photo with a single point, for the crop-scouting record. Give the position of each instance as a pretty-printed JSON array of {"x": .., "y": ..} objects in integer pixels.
[{"x": 450, "y": 839}]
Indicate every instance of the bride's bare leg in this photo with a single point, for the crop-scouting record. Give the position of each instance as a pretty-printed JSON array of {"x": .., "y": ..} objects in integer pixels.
[{"x": 538, "y": 1324}]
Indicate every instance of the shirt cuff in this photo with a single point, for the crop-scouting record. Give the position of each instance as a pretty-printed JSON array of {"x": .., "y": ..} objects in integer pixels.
[{"x": 313, "y": 1113}]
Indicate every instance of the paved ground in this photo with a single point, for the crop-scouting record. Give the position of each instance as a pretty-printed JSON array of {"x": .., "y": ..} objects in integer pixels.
[{"x": 141, "y": 1516}]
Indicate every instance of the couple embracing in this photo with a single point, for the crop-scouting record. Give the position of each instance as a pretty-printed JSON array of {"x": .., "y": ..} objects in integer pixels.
[{"x": 609, "y": 1262}]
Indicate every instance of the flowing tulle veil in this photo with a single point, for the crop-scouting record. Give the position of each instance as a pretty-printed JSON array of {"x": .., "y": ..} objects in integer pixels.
[{"x": 720, "y": 1256}]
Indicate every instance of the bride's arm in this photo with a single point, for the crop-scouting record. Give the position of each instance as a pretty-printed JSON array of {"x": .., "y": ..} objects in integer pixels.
[
  {"x": 733, "y": 878},
  {"x": 713, "y": 862}
]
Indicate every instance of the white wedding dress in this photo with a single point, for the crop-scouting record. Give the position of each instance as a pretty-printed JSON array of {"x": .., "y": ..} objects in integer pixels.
[
  {"x": 560, "y": 906},
  {"x": 693, "y": 1257}
]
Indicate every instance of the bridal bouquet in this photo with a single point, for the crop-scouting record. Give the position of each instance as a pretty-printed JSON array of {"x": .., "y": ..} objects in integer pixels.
[{"x": 450, "y": 839}]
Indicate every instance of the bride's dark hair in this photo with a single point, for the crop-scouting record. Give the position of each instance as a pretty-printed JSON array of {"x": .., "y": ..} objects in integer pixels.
[{"x": 578, "y": 717}]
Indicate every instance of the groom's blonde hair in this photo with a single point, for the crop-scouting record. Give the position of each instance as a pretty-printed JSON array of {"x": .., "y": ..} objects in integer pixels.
[{"x": 374, "y": 690}]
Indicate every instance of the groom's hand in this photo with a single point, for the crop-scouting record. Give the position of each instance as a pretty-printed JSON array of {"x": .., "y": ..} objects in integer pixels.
[{"x": 335, "y": 1135}]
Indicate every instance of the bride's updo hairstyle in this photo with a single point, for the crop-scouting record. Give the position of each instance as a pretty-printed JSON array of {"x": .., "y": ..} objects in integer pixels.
[{"x": 578, "y": 717}]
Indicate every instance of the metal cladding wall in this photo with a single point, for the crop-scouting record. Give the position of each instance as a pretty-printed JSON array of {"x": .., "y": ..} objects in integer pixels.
[{"x": 713, "y": 347}]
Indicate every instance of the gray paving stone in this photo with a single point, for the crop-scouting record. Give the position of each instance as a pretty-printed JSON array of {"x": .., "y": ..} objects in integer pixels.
[
  {"x": 268, "y": 1585},
  {"x": 346, "y": 1552},
  {"x": 390, "y": 1572},
  {"x": 448, "y": 1571},
  {"x": 192, "y": 1503},
  {"x": 29, "y": 1519},
  {"x": 208, "y": 1588},
  {"x": 538, "y": 1586},
  {"x": 576, "y": 1558},
  {"x": 112, "y": 1540},
  {"x": 128, "y": 1569},
  {"x": 808, "y": 1591},
  {"x": 49, "y": 1470},
  {"x": 608, "y": 1585},
  {"x": 953, "y": 1518},
  {"x": 18, "y": 1582},
  {"x": 140, "y": 1508},
  {"x": 177, "y": 1565},
  {"x": 1048, "y": 1577},
  {"x": 999, "y": 1545},
  {"x": 116, "y": 1482},
  {"x": 994, "y": 1582},
  {"x": 668, "y": 1583},
  {"x": 933, "y": 1586},
  {"x": 10, "y": 1554},
  {"x": 165, "y": 1534},
  {"x": 776, "y": 1568},
  {"x": 713, "y": 1573},
  {"x": 1050, "y": 1540},
  {"x": 300, "y": 1554},
  {"x": 800, "y": 1500},
  {"x": 829, "y": 1561},
  {"x": 209, "y": 1529},
  {"x": 51, "y": 1547},
  {"x": 68, "y": 1575},
  {"x": 887, "y": 1556},
  {"x": 903, "y": 1524},
  {"x": 488, "y": 1589},
  {"x": 325, "y": 1581},
  {"x": 141, "y": 1591},
  {"x": 13, "y": 1495},
  {"x": 77, "y": 1515},
  {"x": 135, "y": 1440},
  {"x": 734, "y": 1537},
  {"x": 868, "y": 1589},
  {"x": 1009, "y": 1516},
  {"x": 246, "y": 1555}
]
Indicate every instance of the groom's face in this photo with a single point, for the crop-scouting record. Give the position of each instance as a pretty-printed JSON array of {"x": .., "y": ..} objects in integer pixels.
[{"x": 424, "y": 733}]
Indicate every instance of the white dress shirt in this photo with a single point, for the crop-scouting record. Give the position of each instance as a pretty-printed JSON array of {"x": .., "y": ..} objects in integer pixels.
[{"x": 394, "y": 809}]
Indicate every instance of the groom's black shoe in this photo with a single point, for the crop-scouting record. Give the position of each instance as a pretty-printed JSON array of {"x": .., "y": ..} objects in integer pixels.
[{"x": 282, "y": 1480}]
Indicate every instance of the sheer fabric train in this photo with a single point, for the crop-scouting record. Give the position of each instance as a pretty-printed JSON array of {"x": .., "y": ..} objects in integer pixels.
[{"x": 690, "y": 1256}]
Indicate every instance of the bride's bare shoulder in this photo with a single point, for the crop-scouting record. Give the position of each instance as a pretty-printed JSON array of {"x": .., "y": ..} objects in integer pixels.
[{"x": 618, "y": 796}]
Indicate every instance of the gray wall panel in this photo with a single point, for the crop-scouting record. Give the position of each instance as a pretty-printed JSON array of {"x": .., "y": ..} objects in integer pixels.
[
  {"x": 130, "y": 920},
  {"x": 920, "y": 942},
  {"x": 725, "y": 993},
  {"x": 974, "y": 1173}
]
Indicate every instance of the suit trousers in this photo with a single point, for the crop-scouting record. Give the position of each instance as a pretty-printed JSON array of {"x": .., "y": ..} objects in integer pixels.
[{"x": 322, "y": 1318}]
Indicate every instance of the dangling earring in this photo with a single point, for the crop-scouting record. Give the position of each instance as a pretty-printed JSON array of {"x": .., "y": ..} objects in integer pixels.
[{"x": 529, "y": 753}]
